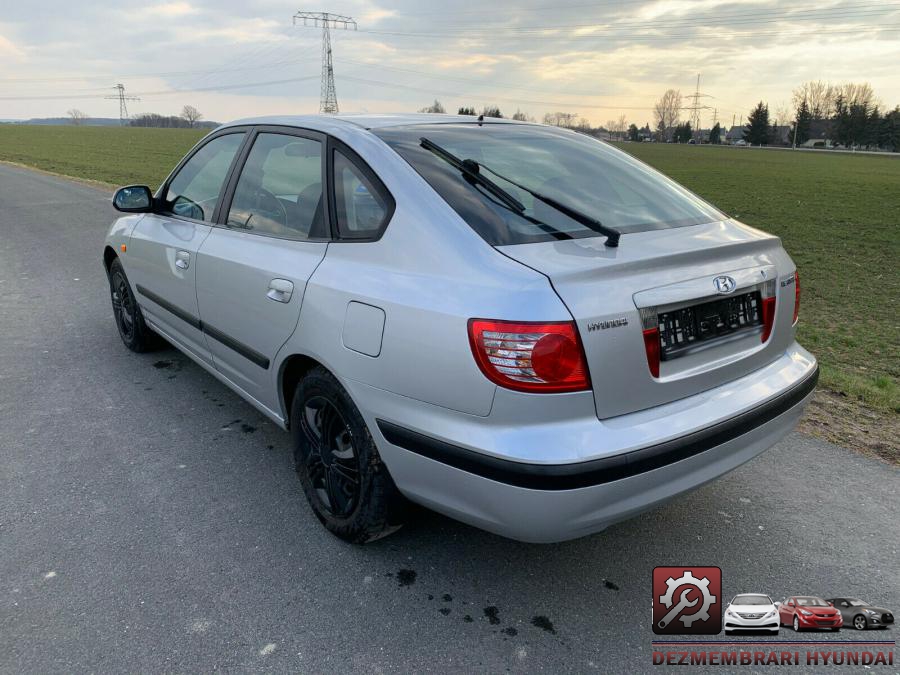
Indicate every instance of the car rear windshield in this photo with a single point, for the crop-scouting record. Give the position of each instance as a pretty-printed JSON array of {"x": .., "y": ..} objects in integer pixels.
[
  {"x": 751, "y": 600},
  {"x": 576, "y": 170}
]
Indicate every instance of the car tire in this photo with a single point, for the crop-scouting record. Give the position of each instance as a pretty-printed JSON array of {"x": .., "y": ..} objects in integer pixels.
[
  {"x": 133, "y": 330},
  {"x": 859, "y": 622},
  {"x": 345, "y": 481},
  {"x": 796, "y": 624}
]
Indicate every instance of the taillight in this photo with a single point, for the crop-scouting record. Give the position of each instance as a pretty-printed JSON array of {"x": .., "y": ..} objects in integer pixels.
[
  {"x": 534, "y": 357},
  {"x": 796, "y": 298},
  {"x": 651, "y": 344},
  {"x": 768, "y": 309}
]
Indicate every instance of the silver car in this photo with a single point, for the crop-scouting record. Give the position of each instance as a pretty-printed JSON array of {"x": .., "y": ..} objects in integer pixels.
[{"x": 516, "y": 325}]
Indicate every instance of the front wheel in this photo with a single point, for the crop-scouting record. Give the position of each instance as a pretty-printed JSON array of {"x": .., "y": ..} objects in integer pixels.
[
  {"x": 859, "y": 622},
  {"x": 134, "y": 332},
  {"x": 796, "y": 624},
  {"x": 345, "y": 481}
]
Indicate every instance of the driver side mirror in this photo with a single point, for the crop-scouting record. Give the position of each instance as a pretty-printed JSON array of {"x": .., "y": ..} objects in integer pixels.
[{"x": 133, "y": 199}]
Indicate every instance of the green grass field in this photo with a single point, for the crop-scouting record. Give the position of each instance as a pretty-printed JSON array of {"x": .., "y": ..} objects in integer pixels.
[{"x": 837, "y": 215}]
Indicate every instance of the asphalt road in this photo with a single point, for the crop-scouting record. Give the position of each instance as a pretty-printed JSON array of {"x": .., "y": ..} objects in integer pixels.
[{"x": 150, "y": 520}]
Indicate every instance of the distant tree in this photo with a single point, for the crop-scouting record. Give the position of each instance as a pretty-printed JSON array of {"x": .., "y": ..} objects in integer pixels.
[
  {"x": 757, "y": 130},
  {"x": 872, "y": 132},
  {"x": 466, "y": 111},
  {"x": 859, "y": 122},
  {"x": 561, "y": 119},
  {"x": 801, "y": 127},
  {"x": 76, "y": 116},
  {"x": 715, "y": 134},
  {"x": 435, "y": 107},
  {"x": 667, "y": 111},
  {"x": 161, "y": 121},
  {"x": 819, "y": 97},
  {"x": 633, "y": 132},
  {"x": 191, "y": 115},
  {"x": 889, "y": 137},
  {"x": 841, "y": 119},
  {"x": 683, "y": 133},
  {"x": 522, "y": 117},
  {"x": 491, "y": 111}
]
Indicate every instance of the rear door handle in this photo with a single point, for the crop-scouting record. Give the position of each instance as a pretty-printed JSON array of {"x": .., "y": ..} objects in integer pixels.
[
  {"x": 182, "y": 260},
  {"x": 280, "y": 290}
]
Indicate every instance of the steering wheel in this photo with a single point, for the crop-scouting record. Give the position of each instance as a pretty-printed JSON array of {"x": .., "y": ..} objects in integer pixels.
[{"x": 265, "y": 200}]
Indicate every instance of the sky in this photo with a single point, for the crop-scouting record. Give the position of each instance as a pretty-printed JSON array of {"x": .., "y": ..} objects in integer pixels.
[{"x": 599, "y": 60}]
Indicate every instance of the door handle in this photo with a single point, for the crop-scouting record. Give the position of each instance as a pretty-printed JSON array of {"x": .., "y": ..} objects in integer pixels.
[
  {"x": 182, "y": 260},
  {"x": 280, "y": 290}
]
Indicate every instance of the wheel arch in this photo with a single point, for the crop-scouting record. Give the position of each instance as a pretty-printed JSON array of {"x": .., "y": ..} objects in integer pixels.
[
  {"x": 291, "y": 371},
  {"x": 109, "y": 254}
]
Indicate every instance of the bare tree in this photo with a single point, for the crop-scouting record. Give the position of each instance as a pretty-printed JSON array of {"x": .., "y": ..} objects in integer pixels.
[
  {"x": 561, "y": 119},
  {"x": 819, "y": 96},
  {"x": 860, "y": 94},
  {"x": 76, "y": 116},
  {"x": 667, "y": 111},
  {"x": 783, "y": 115},
  {"x": 435, "y": 107},
  {"x": 191, "y": 115},
  {"x": 522, "y": 117}
]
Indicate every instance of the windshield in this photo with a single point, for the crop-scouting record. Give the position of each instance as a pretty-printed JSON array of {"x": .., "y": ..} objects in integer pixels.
[
  {"x": 811, "y": 602},
  {"x": 571, "y": 168},
  {"x": 751, "y": 600},
  {"x": 858, "y": 603}
]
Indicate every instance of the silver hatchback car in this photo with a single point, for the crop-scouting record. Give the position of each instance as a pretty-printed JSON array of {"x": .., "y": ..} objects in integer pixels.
[{"x": 516, "y": 325}]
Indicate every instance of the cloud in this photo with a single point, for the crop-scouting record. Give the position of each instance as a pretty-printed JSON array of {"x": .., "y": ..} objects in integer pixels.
[{"x": 8, "y": 49}]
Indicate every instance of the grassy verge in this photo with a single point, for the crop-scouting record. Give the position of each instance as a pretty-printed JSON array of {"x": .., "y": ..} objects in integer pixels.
[{"x": 836, "y": 214}]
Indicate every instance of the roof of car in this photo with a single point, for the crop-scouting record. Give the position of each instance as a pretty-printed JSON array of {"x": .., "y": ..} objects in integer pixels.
[{"x": 364, "y": 120}]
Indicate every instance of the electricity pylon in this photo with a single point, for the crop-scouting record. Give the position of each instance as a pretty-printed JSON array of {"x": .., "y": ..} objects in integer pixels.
[
  {"x": 695, "y": 107},
  {"x": 327, "y": 97},
  {"x": 123, "y": 108}
]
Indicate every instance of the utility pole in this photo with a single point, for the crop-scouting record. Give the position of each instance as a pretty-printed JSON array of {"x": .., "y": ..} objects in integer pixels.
[
  {"x": 327, "y": 97},
  {"x": 123, "y": 108},
  {"x": 695, "y": 107}
]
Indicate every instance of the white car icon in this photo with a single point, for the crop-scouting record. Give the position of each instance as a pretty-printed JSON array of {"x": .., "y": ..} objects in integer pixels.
[{"x": 751, "y": 611}]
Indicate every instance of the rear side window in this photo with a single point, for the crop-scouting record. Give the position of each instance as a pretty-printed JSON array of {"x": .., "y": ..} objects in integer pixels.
[
  {"x": 195, "y": 190},
  {"x": 571, "y": 168},
  {"x": 362, "y": 204}
]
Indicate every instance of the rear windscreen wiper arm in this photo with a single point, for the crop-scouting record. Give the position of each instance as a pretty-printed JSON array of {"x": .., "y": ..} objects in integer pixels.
[
  {"x": 472, "y": 170},
  {"x": 612, "y": 236}
]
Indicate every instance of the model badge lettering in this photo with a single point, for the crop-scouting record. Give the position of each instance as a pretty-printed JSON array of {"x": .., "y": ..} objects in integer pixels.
[
  {"x": 724, "y": 284},
  {"x": 611, "y": 323}
]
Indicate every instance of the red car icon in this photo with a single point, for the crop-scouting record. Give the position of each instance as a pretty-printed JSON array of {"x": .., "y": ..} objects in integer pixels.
[{"x": 807, "y": 612}]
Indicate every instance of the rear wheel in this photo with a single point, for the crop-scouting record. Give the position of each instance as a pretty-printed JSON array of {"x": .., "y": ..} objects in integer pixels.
[
  {"x": 859, "y": 622},
  {"x": 134, "y": 332},
  {"x": 345, "y": 481}
]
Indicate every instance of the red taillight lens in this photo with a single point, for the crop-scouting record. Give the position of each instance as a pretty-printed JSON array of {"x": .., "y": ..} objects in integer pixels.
[
  {"x": 651, "y": 344},
  {"x": 768, "y": 316},
  {"x": 796, "y": 298},
  {"x": 535, "y": 357}
]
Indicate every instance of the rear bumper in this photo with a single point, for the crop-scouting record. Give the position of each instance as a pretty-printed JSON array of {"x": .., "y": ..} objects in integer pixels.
[{"x": 547, "y": 501}]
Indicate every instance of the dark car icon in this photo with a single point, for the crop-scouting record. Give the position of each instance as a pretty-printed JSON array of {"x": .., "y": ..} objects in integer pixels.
[{"x": 861, "y": 615}]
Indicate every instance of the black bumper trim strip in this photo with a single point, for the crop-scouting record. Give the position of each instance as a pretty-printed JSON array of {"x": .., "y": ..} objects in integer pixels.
[
  {"x": 247, "y": 352},
  {"x": 598, "y": 471}
]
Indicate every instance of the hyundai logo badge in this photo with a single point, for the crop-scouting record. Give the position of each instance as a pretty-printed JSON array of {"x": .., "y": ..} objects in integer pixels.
[{"x": 724, "y": 285}]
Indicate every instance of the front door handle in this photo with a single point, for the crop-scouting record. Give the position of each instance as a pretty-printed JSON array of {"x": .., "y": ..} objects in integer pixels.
[
  {"x": 280, "y": 290},
  {"x": 182, "y": 260}
]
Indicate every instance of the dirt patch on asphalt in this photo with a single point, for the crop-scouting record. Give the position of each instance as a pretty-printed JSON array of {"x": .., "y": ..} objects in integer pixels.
[{"x": 838, "y": 418}]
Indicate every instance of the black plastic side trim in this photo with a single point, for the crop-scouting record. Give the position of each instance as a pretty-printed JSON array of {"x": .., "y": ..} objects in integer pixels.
[
  {"x": 598, "y": 471},
  {"x": 247, "y": 352},
  {"x": 187, "y": 317}
]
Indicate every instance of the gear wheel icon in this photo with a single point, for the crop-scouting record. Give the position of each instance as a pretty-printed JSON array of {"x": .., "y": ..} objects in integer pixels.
[{"x": 689, "y": 579}]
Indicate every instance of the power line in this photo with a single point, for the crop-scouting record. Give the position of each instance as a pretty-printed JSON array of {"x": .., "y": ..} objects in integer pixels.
[
  {"x": 327, "y": 96},
  {"x": 123, "y": 107}
]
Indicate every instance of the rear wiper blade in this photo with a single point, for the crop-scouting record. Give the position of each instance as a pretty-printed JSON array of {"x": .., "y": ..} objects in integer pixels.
[
  {"x": 612, "y": 236},
  {"x": 472, "y": 170}
]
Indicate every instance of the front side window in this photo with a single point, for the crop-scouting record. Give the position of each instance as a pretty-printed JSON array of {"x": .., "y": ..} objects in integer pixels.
[
  {"x": 279, "y": 191},
  {"x": 362, "y": 205},
  {"x": 570, "y": 168},
  {"x": 195, "y": 190}
]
